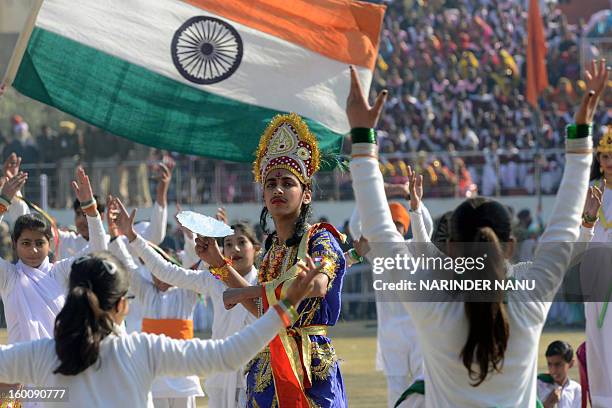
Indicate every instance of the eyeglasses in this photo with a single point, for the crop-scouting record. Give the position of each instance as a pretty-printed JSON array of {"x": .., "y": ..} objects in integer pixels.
[{"x": 110, "y": 267}]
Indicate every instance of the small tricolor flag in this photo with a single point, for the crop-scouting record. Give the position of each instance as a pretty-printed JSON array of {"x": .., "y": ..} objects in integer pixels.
[{"x": 198, "y": 76}]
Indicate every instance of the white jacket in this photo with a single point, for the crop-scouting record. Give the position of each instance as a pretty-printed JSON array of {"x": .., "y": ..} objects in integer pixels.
[{"x": 129, "y": 363}]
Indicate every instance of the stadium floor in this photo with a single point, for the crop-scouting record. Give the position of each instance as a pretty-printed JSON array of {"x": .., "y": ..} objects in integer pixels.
[{"x": 355, "y": 344}]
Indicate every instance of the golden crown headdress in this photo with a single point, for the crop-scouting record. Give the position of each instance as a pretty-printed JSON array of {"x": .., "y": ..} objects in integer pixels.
[
  {"x": 287, "y": 143},
  {"x": 605, "y": 143}
]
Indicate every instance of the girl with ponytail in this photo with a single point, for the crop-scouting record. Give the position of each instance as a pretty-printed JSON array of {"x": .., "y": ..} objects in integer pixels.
[
  {"x": 488, "y": 223},
  {"x": 480, "y": 354},
  {"x": 99, "y": 364},
  {"x": 88, "y": 316}
]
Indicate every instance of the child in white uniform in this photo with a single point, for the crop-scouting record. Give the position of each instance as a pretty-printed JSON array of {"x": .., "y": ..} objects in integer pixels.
[
  {"x": 34, "y": 289},
  {"x": 555, "y": 388}
]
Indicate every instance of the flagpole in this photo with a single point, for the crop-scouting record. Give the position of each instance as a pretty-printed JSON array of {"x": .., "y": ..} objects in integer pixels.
[
  {"x": 537, "y": 162},
  {"x": 537, "y": 81},
  {"x": 22, "y": 45}
]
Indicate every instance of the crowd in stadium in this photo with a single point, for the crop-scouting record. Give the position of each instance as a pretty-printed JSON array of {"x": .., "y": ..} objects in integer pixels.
[{"x": 456, "y": 76}]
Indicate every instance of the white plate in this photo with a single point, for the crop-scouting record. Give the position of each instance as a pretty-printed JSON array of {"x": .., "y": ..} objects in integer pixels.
[{"x": 204, "y": 225}]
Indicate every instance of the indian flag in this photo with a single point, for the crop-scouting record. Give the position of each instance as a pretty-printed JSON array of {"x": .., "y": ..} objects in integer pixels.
[{"x": 200, "y": 77}]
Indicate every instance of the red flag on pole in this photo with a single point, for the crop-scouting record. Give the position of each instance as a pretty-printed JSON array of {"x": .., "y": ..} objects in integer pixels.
[{"x": 537, "y": 78}]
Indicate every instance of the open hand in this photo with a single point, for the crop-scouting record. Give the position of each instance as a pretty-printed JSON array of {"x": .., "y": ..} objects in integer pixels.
[
  {"x": 222, "y": 215},
  {"x": 358, "y": 111},
  {"x": 597, "y": 81},
  {"x": 593, "y": 201},
  {"x": 124, "y": 220},
  {"x": 303, "y": 283},
  {"x": 11, "y": 165},
  {"x": 165, "y": 174},
  {"x": 82, "y": 186},
  {"x": 112, "y": 213},
  {"x": 416, "y": 189},
  {"x": 13, "y": 185},
  {"x": 164, "y": 178}
]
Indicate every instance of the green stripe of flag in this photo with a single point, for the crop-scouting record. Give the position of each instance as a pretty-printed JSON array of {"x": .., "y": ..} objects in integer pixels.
[{"x": 130, "y": 101}]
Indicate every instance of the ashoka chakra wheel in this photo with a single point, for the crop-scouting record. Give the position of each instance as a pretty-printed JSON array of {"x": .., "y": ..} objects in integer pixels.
[{"x": 206, "y": 50}]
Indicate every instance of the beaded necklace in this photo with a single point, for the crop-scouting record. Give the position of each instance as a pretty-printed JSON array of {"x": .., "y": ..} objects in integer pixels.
[{"x": 276, "y": 261}]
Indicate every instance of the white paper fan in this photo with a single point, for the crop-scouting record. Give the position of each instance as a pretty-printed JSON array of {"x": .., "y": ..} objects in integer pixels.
[{"x": 203, "y": 225}]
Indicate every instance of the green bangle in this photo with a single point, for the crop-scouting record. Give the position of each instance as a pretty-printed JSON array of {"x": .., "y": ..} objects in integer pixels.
[
  {"x": 578, "y": 131},
  {"x": 363, "y": 135},
  {"x": 355, "y": 256},
  {"x": 584, "y": 131},
  {"x": 88, "y": 203}
]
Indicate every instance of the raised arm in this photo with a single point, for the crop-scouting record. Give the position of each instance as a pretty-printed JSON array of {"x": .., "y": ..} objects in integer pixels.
[
  {"x": 554, "y": 251},
  {"x": 368, "y": 184},
  {"x": 376, "y": 222},
  {"x": 195, "y": 280},
  {"x": 189, "y": 257},
  {"x": 6, "y": 270},
  {"x": 8, "y": 192},
  {"x": 156, "y": 230},
  {"x": 420, "y": 220},
  {"x": 11, "y": 170},
  {"x": 17, "y": 208},
  {"x": 82, "y": 189},
  {"x": 11, "y": 187},
  {"x": 551, "y": 260}
]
